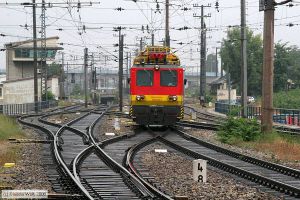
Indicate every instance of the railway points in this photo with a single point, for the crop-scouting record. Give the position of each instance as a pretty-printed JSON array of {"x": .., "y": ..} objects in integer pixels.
[
  {"x": 85, "y": 156},
  {"x": 119, "y": 99}
]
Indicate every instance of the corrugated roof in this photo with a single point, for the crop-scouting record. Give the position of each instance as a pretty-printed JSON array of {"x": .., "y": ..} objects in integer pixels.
[{"x": 218, "y": 81}]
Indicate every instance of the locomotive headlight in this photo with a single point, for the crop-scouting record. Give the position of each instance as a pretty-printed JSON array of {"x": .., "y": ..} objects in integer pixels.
[
  {"x": 140, "y": 97},
  {"x": 173, "y": 98},
  {"x": 156, "y": 67}
]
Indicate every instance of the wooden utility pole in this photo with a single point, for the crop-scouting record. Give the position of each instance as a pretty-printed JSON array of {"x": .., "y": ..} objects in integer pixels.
[
  {"x": 268, "y": 67},
  {"x": 244, "y": 82},
  {"x": 268, "y": 6},
  {"x": 167, "y": 37}
]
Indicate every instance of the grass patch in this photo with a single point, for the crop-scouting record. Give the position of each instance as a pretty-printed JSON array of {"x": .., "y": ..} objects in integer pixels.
[
  {"x": 246, "y": 133},
  {"x": 9, "y": 128},
  {"x": 9, "y": 154},
  {"x": 62, "y": 103},
  {"x": 284, "y": 147}
]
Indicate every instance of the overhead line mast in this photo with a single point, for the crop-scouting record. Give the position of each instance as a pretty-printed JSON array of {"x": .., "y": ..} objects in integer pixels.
[
  {"x": 202, "y": 54},
  {"x": 244, "y": 82},
  {"x": 43, "y": 54},
  {"x": 268, "y": 6},
  {"x": 35, "y": 82},
  {"x": 167, "y": 37}
]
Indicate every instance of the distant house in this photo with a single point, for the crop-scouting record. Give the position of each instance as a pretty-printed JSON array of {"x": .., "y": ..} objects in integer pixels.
[
  {"x": 220, "y": 88},
  {"x": 2, "y": 79},
  {"x": 75, "y": 79},
  {"x": 218, "y": 84},
  {"x": 19, "y": 57},
  {"x": 18, "y": 86}
]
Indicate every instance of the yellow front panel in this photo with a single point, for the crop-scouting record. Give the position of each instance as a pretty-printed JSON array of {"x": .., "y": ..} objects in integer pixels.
[{"x": 159, "y": 100}]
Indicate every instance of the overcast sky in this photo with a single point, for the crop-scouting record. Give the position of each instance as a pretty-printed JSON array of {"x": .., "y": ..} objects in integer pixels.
[{"x": 99, "y": 19}]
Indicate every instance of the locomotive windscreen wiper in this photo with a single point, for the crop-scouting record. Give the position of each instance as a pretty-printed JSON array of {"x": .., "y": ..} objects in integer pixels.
[
  {"x": 173, "y": 74},
  {"x": 149, "y": 76}
]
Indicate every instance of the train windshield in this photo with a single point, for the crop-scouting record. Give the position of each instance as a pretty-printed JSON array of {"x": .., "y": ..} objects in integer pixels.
[
  {"x": 168, "y": 78},
  {"x": 144, "y": 78}
]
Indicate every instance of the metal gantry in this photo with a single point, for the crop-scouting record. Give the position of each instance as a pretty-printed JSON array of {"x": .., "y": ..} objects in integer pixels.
[{"x": 43, "y": 54}]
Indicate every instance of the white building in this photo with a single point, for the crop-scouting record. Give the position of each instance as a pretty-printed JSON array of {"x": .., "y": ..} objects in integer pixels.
[
  {"x": 21, "y": 91},
  {"x": 2, "y": 79},
  {"x": 18, "y": 86}
]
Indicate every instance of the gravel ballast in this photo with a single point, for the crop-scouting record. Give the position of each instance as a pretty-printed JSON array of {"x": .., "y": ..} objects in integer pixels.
[
  {"x": 174, "y": 173},
  {"x": 111, "y": 124},
  {"x": 210, "y": 136},
  {"x": 29, "y": 172}
]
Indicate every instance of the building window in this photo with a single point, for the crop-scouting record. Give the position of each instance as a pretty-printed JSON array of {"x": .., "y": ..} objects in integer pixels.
[
  {"x": 1, "y": 93},
  {"x": 72, "y": 78},
  {"x": 28, "y": 53}
]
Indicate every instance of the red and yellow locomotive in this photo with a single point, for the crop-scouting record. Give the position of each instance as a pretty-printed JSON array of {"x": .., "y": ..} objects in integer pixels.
[{"x": 156, "y": 87}]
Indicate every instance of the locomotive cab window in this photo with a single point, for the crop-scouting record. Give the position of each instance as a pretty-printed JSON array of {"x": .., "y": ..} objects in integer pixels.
[
  {"x": 144, "y": 78},
  {"x": 168, "y": 78}
]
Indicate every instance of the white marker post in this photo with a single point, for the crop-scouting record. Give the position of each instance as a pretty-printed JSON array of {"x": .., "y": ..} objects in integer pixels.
[
  {"x": 199, "y": 170},
  {"x": 117, "y": 124},
  {"x": 194, "y": 115}
]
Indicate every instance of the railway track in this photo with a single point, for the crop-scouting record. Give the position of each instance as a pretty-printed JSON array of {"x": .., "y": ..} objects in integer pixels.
[
  {"x": 117, "y": 148},
  {"x": 203, "y": 115},
  {"x": 77, "y": 165},
  {"x": 57, "y": 171},
  {"x": 85, "y": 168},
  {"x": 280, "y": 179},
  {"x": 105, "y": 176},
  {"x": 216, "y": 120}
]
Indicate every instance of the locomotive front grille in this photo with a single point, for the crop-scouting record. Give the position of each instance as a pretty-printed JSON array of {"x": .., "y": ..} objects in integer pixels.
[{"x": 156, "y": 115}]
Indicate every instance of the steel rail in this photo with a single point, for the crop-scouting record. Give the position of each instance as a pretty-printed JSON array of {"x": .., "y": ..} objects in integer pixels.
[
  {"x": 63, "y": 164},
  {"x": 273, "y": 184},
  {"x": 216, "y": 118},
  {"x": 119, "y": 168},
  {"x": 58, "y": 160},
  {"x": 198, "y": 125},
  {"x": 273, "y": 166},
  {"x": 129, "y": 164},
  {"x": 55, "y": 145},
  {"x": 283, "y": 129},
  {"x": 79, "y": 159}
]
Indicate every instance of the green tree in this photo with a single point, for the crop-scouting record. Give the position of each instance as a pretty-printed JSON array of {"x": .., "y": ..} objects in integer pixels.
[
  {"x": 281, "y": 64},
  {"x": 231, "y": 59},
  {"x": 54, "y": 69},
  {"x": 50, "y": 96},
  {"x": 293, "y": 64},
  {"x": 76, "y": 90}
]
